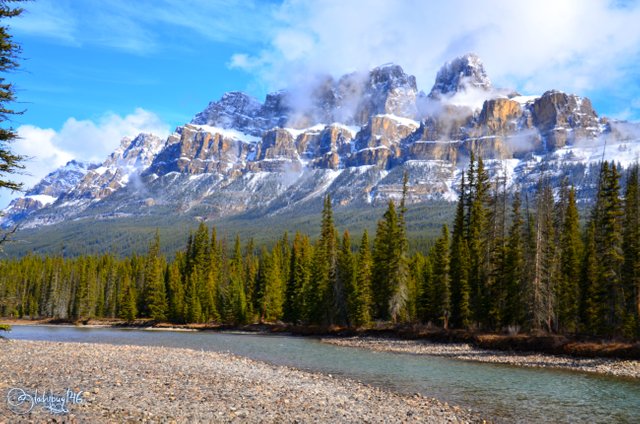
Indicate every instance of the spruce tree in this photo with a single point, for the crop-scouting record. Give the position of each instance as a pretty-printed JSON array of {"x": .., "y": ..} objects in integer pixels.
[
  {"x": 314, "y": 309},
  {"x": 324, "y": 296},
  {"x": 477, "y": 233},
  {"x": 390, "y": 267},
  {"x": 233, "y": 298},
  {"x": 347, "y": 289},
  {"x": 631, "y": 252},
  {"x": 251, "y": 273},
  {"x": 381, "y": 268},
  {"x": 273, "y": 295},
  {"x": 426, "y": 293},
  {"x": 440, "y": 279},
  {"x": 570, "y": 253},
  {"x": 156, "y": 298},
  {"x": 593, "y": 300},
  {"x": 459, "y": 267},
  {"x": 299, "y": 279},
  {"x": 515, "y": 313},
  {"x": 608, "y": 236},
  {"x": 175, "y": 290},
  {"x": 496, "y": 251},
  {"x": 542, "y": 290},
  {"x": 128, "y": 310},
  {"x": 360, "y": 303},
  {"x": 10, "y": 163}
]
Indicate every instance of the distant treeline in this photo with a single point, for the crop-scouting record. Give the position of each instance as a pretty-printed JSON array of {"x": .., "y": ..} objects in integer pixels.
[{"x": 510, "y": 262}]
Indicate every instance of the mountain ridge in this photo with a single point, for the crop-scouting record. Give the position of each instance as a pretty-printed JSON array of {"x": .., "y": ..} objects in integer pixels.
[{"x": 353, "y": 138}]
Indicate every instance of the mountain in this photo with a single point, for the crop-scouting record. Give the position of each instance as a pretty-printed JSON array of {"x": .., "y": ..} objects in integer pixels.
[
  {"x": 461, "y": 74},
  {"x": 352, "y": 137},
  {"x": 46, "y": 192}
]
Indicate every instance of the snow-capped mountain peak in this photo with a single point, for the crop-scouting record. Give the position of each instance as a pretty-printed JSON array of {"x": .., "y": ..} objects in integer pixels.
[
  {"x": 353, "y": 137},
  {"x": 464, "y": 73}
]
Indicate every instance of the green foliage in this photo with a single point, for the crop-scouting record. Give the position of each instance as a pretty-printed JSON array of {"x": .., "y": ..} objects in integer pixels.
[
  {"x": 440, "y": 280},
  {"x": 390, "y": 266},
  {"x": 299, "y": 279},
  {"x": 154, "y": 286},
  {"x": 360, "y": 302},
  {"x": 346, "y": 291},
  {"x": 10, "y": 163},
  {"x": 514, "y": 283},
  {"x": 527, "y": 269},
  {"x": 570, "y": 254},
  {"x": 631, "y": 248}
]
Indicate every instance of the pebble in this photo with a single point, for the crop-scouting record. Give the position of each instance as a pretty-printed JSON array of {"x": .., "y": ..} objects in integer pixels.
[
  {"x": 183, "y": 386},
  {"x": 464, "y": 351}
]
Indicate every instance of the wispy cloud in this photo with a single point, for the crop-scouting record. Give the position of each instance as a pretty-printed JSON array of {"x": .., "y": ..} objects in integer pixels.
[
  {"x": 48, "y": 19},
  {"x": 86, "y": 140},
  {"x": 145, "y": 26},
  {"x": 571, "y": 45}
]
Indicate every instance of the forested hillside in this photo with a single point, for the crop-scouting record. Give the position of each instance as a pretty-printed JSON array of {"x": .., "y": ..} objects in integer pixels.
[{"x": 510, "y": 261}]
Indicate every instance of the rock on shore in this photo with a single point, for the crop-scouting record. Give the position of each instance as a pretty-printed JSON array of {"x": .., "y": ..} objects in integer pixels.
[
  {"x": 156, "y": 384},
  {"x": 621, "y": 368}
]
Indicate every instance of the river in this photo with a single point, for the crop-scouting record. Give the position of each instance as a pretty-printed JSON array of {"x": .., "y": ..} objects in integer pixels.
[{"x": 502, "y": 393}]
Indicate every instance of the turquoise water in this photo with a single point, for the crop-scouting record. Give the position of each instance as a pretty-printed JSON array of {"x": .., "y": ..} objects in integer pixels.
[{"x": 501, "y": 393}]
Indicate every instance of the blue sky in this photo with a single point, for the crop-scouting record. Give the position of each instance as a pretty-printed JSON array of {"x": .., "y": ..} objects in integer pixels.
[{"x": 97, "y": 70}]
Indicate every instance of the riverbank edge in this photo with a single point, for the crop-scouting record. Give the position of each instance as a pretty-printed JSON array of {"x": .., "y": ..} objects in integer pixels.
[
  {"x": 522, "y": 343},
  {"x": 172, "y": 384}
]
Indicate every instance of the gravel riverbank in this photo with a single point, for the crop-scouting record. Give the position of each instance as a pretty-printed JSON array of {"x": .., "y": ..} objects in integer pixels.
[
  {"x": 156, "y": 384},
  {"x": 622, "y": 368}
]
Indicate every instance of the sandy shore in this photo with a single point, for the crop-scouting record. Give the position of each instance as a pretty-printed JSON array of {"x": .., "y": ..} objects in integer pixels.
[
  {"x": 155, "y": 384},
  {"x": 622, "y": 368}
]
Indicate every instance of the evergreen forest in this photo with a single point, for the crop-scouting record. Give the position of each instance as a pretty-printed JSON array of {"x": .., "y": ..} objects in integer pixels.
[{"x": 508, "y": 262}]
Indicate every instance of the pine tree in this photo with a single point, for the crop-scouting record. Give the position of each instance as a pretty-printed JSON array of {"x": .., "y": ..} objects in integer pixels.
[
  {"x": 360, "y": 302},
  {"x": 440, "y": 279},
  {"x": 593, "y": 301},
  {"x": 542, "y": 286},
  {"x": 272, "y": 299},
  {"x": 607, "y": 217},
  {"x": 426, "y": 307},
  {"x": 128, "y": 308},
  {"x": 514, "y": 314},
  {"x": 570, "y": 253},
  {"x": 234, "y": 304},
  {"x": 299, "y": 278},
  {"x": 459, "y": 267},
  {"x": 477, "y": 198},
  {"x": 631, "y": 252},
  {"x": 323, "y": 296},
  {"x": 314, "y": 310},
  {"x": 251, "y": 273},
  {"x": 10, "y": 163},
  {"x": 175, "y": 290},
  {"x": 346, "y": 284},
  {"x": 193, "y": 308},
  {"x": 333, "y": 294},
  {"x": 390, "y": 267},
  {"x": 381, "y": 268},
  {"x": 209, "y": 264},
  {"x": 155, "y": 293},
  {"x": 496, "y": 286}
]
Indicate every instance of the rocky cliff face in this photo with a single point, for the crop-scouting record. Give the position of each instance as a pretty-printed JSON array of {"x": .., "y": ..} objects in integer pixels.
[
  {"x": 461, "y": 74},
  {"x": 353, "y": 137},
  {"x": 563, "y": 118},
  {"x": 46, "y": 192}
]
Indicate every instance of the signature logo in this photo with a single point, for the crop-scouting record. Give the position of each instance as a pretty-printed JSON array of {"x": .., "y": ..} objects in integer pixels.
[{"x": 22, "y": 402}]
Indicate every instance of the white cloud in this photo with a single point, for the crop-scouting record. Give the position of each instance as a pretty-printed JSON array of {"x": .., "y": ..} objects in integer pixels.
[
  {"x": 44, "y": 18},
  {"x": 84, "y": 140},
  {"x": 570, "y": 45},
  {"x": 142, "y": 26},
  {"x": 94, "y": 140}
]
